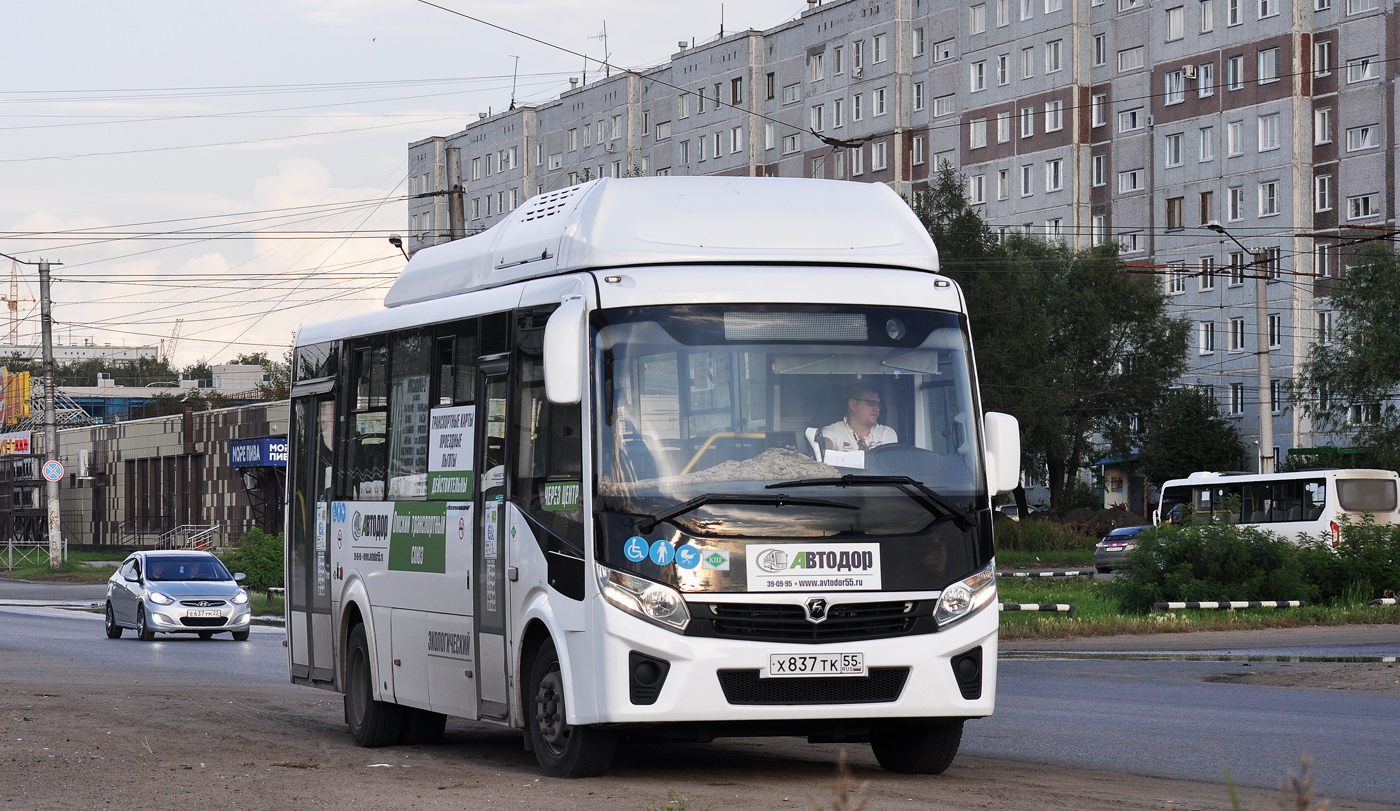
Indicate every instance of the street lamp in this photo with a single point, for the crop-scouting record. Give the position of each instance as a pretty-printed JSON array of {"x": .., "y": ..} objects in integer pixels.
[{"x": 1261, "y": 310}]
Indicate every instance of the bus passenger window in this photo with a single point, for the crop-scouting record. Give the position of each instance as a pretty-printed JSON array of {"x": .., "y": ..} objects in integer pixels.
[
  {"x": 408, "y": 418},
  {"x": 363, "y": 453}
]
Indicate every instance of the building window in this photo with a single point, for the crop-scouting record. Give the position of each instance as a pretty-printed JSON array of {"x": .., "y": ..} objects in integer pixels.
[
  {"x": 1236, "y": 204},
  {"x": 816, "y": 65},
  {"x": 791, "y": 94},
  {"x": 1100, "y": 170},
  {"x": 1054, "y": 115},
  {"x": 1237, "y": 262},
  {"x": 838, "y": 111},
  {"x": 1268, "y": 198},
  {"x": 1322, "y": 193},
  {"x": 736, "y": 140},
  {"x": 1205, "y": 144},
  {"x": 1053, "y": 228},
  {"x": 818, "y": 118},
  {"x": 1003, "y": 126},
  {"x": 1268, "y": 64},
  {"x": 1268, "y": 132},
  {"x": 880, "y": 53},
  {"x": 1205, "y": 80},
  {"x": 1363, "y": 69},
  {"x": 1054, "y": 174},
  {"x": 1026, "y": 174},
  {"x": 1171, "y": 149},
  {"x": 1207, "y": 207},
  {"x": 878, "y": 153},
  {"x": 918, "y": 150},
  {"x": 1275, "y": 330},
  {"x": 1176, "y": 219},
  {"x": 1364, "y": 137},
  {"x": 1205, "y": 341},
  {"x": 1359, "y": 6},
  {"x": 943, "y": 51},
  {"x": 1175, "y": 86},
  {"x": 1130, "y": 59},
  {"x": 1027, "y": 63},
  {"x": 1322, "y": 260},
  {"x": 1207, "y": 16},
  {"x": 1234, "y": 138},
  {"x": 1052, "y": 6},
  {"x": 858, "y": 54},
  {"x": 977, "y": 133},
  {"x": 1232, "y": 12},
  {"x": 1003, "y": 70},
  {"x": 1322, "y": 57},
  {"x": 716, "y": 149},
  {"x": 1205, "y": 281},
  {"x": 1098, "y": 104},
  {"x": 1236, "y": 399},
  {"x": 838, "y": 62},
  {"x": 977, "y": 19},
  {"x": 1237, "y": 334},
  {"x": 1362, "y": 206},
  {"x": 858, "y": 107},
  {"x": 918, "y": 42},
  {"x": 879, "y": 101},
  {"x": 977, "y": 189},
  {"x": 1003, "y": 184},
  {"x": 1133, "y": 242},
  {"x": 1234, "y": 73},
  {"x": 1027, "y": 9},
  {"x": 1027, "y": 122},
  {"x": 1176, "y": 278},
  {"x": 943, "y": 105},
  {"x": 1129, "y": 120},
  {"x": 791, "y": 144},
  {"x": 1268, "y": 8},
  {"x": 1054, "y": 55},
  {"x": 1176, "y": 23},
  {"x": 770, "y": 135},
  {"x": 1130, "y": 180},
  {"x": 978, "y": 76},
  {"x": 857, "y": 161},
  {"x": 1100, "y": 50},
  {"x": 1324, "y": 328},
  {"x": 918, "y": 95},
  {"x": 1322, "y": 125},
  {"x": 1003, "y": 13}
]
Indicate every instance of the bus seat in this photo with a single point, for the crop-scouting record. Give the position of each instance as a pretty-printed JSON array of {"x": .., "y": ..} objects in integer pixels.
[
  {"x": 1258, "y": 517},
  {"x": 1295, "y": 513},
  {"x": 1314, "y": 513},
  {"x": 814, "y": 439},
  {"x": 639, "y": 456}
]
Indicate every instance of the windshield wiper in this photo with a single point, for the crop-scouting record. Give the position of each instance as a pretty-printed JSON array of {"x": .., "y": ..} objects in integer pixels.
[
  {"x": 648, "y": 523},
  {"x": 912, "y": 486}
]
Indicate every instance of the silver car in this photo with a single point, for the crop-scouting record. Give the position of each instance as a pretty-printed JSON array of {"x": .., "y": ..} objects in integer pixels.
[{"x": 176, "y": 592}]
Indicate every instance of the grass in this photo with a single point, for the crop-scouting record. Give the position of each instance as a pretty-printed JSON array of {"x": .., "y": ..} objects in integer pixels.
[
  {"x": 1097, "y": 614},
  {"x": 1057, "y": 559},
  {"x": 73, "y": 570}
]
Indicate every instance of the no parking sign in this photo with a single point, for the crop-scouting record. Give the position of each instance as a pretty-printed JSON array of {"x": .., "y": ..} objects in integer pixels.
[{"x": 53, "y": 470}]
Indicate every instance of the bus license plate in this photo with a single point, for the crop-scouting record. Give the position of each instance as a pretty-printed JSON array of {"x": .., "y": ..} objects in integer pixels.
[
  {"x": 206, "y": 612},
  {"x": 786, "y": 665}
]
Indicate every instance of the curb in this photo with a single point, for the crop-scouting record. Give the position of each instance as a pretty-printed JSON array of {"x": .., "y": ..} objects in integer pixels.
[
  {"x": 1052, "y": 573},
  {"x": 1060, "y": 608},
  {"x": 1231, "y": 605}
]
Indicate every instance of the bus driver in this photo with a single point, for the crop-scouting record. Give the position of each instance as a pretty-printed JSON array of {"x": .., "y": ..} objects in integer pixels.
[{"x": 861, "y": 429}]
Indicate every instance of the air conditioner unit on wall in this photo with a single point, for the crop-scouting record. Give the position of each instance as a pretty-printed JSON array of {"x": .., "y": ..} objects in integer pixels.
[
  {"x": 1189, "y": 71},
  {"x": 856, "y": 72}
]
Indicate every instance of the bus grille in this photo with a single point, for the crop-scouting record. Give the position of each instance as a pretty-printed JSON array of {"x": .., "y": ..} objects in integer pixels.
[
  {"x": 767, "y": 622},
  {"x": 883, "y": 685}
]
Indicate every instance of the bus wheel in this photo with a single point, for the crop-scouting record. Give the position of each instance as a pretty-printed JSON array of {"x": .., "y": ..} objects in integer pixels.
[
  {"x": 372, "y": 723},
  {"x": 923, "y": 749},
  {"x": 562, "y": 750}
]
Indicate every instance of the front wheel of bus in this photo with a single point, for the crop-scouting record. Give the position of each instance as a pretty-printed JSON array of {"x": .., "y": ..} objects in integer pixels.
[
  {"x": 922, "y": 749},
  {"x": 372, "y": 723},
  {"x": 562, "y": 750}
]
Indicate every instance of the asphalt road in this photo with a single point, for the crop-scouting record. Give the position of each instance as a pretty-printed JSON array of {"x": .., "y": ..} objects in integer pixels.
[{"x": 1145, "y": 717}]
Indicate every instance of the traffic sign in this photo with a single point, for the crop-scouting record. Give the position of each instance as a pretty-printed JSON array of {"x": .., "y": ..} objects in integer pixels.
[{"x": 53, "y": 470}]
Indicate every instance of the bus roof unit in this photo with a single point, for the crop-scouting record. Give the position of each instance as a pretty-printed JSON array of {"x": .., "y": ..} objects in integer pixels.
[{"x": 676, "y": 220}]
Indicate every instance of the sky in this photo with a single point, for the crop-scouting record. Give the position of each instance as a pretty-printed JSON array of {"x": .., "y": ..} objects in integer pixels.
[{"x": 229, "y": 171}]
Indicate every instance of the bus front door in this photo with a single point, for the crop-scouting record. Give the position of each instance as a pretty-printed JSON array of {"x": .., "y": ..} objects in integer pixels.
[
  {"x": 309, "y": 632},
  {"x": 493, "y": 685}
]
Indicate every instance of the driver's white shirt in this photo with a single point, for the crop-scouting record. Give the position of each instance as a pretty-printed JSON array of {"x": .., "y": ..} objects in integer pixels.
[{"x": 843, "y": 437}]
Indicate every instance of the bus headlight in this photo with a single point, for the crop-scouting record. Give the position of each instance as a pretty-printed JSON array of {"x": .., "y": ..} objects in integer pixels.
[
  {"x": 966, "y": 596},
  {"x": 651, "y": 601}
]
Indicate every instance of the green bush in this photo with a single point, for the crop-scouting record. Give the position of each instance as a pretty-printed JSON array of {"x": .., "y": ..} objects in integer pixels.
[
  {"x": 259, "y": 556},
  {"x": 1365, "y": 565},
  {"x": 1039, "y": 535},
  {"x": 1215, "y": 560}
]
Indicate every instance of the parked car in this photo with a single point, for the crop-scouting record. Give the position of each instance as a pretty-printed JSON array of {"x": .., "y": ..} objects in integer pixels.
[
  {"x": 176, "y": 592},
  {"x": 1014, "y": 513},
  {"x": 1114, "y": 547}
]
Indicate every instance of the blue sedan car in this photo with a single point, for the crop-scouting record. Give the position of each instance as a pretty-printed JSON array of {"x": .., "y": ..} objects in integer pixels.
[{"x": 185, "y": 592}]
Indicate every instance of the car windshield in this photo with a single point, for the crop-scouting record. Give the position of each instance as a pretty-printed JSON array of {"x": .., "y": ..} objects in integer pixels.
[
  {"x": 788, "y": 422},
  {"x": 190, "y": 567}
]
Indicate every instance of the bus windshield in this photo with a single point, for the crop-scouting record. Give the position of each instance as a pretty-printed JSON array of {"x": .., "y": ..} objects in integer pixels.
[{"x": 719, "y": 424}]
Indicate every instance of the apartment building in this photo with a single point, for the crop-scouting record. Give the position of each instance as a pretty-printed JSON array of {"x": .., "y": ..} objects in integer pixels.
[{"x": 1138, "y": 121}]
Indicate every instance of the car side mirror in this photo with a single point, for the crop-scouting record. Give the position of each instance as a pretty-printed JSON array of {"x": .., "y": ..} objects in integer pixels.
[
  {"x": 1002, "y": 433},
  {"x": 240, "y": 577},
  {"x": 132, "y": 577},
  {"x": 565, "y": 336}
]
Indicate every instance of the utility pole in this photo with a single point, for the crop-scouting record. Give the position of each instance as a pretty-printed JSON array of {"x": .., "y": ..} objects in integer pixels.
[
  {"x": 50, "y": 424},
  {"x": 1266, "y": 387}
]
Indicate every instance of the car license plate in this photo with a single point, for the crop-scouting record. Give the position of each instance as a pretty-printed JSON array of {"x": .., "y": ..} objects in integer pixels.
[
  {"x": 204, "y": 612},
  {"x": 784, "y": 665}
]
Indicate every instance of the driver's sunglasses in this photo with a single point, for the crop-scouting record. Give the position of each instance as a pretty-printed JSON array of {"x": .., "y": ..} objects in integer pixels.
[{"x": 871, "y": 403}]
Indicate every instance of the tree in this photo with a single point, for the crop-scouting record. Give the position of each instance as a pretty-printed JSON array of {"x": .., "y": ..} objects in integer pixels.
[
  {"x": 1186, "y": 433},
  {"x": 279, "y": 373},
  {"x": 1359, "y": 364},
  {"x": 1067, "y": 340}
]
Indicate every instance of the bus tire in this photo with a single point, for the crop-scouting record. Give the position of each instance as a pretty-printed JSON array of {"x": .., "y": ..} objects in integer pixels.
[
  {"x": 562, "y": 750},
  {"x": 918, "y": 749},
  {"x": 423, "y": 727},
  {"x": 372, "y": 723}
]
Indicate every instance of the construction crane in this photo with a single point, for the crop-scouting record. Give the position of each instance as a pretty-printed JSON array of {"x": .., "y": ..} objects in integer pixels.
[
  {"x": 167, "y": 347},
  {"x": 12, "y": 302}
]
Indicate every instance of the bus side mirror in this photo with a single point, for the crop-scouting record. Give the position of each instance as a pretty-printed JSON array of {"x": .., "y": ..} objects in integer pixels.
[
  {"x": 1003, "y": 436},
  {"x": 565, "y": 337}
]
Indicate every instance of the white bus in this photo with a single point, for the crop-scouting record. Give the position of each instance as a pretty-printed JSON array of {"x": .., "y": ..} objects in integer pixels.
[
  {"x": 1299, "y": 505},
  {"x": 573, "y": 479}
]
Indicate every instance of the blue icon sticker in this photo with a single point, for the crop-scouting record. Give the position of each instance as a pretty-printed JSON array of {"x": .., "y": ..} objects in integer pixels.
[
  {"x": 662, "y": 553},
  {"x": 635, "y": 549},
  {"x": 687, "y": 557}
]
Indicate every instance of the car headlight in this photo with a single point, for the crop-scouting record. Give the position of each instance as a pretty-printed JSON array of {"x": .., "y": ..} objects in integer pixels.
[
  {"x": 966, "y": 596},
  {"x": 241, "y": 598},
  {"x": 159, "y": 599},
  {"x": 647, "y": 599}
]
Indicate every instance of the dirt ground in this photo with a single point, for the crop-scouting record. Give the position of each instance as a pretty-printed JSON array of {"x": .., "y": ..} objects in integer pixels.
[{"x": 86, "y": 740}]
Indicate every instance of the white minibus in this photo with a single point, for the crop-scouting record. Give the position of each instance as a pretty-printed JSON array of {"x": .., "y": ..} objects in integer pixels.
[
  {"x": 1298, "y": 505},
  {"x": 580, "y": 476}
]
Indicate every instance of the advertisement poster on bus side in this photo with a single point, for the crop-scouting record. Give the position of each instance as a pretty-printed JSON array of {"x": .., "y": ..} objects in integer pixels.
[
  {"x": 451, "y": 443},
  {"x": 813, "y": 566},
  {"x": 360, "y": 532},
  {"x": 418, "y": 537}
]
